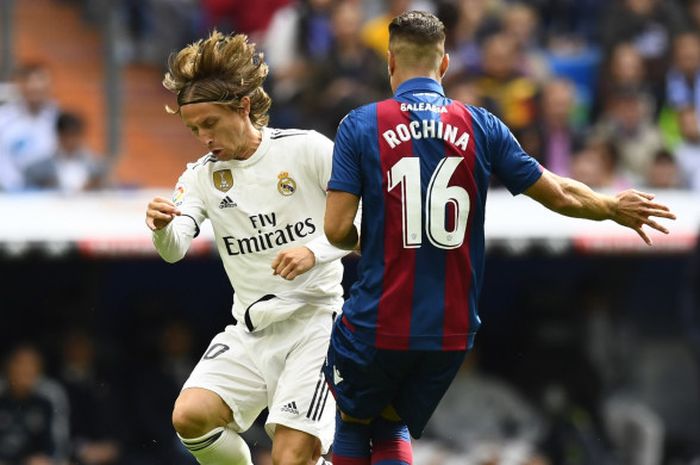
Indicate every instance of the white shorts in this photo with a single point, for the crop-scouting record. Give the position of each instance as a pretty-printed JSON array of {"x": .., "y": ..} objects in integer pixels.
[{"x": 278, "y": 367}]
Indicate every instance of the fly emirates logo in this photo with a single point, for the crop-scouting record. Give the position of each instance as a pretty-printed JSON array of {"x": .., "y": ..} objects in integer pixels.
[
  {"x": 426, "y": 129},
  {"x": 264, "y": 240}
]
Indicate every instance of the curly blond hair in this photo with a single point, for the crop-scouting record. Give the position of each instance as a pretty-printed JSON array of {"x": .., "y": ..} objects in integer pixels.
[{"x": 220, "y": 69}]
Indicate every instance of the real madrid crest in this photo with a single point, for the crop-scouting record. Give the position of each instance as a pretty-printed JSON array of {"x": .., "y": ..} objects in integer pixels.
[
  {"x": 286, "y": 185},
  {"x": 223, "y": 180}
]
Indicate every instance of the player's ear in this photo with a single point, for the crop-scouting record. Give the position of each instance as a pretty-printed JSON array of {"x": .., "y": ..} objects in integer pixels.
[
  {"x": 444, "y": 64},
  {"x": 391, "y": 62},
  {"x": 245, "y": 106}
]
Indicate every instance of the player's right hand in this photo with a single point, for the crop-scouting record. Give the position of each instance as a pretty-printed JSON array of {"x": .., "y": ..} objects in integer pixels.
[{"x": 160, "y": 213}]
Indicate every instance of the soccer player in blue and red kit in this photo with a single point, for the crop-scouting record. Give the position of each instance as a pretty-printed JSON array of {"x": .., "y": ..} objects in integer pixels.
[{"x": 421, "y": 163}]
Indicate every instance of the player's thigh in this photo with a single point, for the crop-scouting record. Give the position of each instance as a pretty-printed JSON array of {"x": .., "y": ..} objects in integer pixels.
[
  {"x": 301, "y": 399},
  {"x": 294, "y": 447},
  {"x": 420, "y": 395},
  {"x": 228, "y": 370},
  {"x": 359, "y": 381}
]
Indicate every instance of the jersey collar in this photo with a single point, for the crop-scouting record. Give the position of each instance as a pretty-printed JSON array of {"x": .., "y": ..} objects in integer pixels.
[{"x": 419, "y": 84}]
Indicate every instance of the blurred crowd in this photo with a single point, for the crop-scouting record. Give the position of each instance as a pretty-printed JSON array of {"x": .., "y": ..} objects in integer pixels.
[
  {"x": 41, "y": 145},
  {"x": 601, "y": 91},
  {"x": 609, "y": 378}
]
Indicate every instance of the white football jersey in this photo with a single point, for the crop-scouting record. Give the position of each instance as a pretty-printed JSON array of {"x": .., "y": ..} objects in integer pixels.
[{"x": 272, "y": 201}]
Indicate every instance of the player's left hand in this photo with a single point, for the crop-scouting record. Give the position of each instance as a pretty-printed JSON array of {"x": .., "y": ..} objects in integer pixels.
[
  {"x": 635, "y": 209},
  {"x": 291, "y": 263}
]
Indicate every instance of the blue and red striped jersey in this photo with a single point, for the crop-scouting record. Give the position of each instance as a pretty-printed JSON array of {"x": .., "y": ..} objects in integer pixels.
[{"x": 421, "y": 163}]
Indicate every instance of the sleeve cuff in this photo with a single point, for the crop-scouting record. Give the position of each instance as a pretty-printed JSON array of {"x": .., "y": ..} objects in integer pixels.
[
  {"x": 344, "y": 186},
  {"x": 325, "y": 252}
]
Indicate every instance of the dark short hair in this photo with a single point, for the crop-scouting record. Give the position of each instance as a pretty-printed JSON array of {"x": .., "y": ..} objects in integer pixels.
[
  {"x": 69, "y": 123},
  {"x": 419, "y": 27}
]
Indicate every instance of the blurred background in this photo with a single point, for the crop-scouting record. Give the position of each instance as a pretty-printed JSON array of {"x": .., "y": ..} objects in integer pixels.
[{"x": 590, "y": 348}]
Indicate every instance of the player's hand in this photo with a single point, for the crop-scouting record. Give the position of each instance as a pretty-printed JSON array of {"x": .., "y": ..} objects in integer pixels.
[
  {"x": 635, "y": 209},
  {"x": 291, "y": 263},
  {"x": 160, "y": 212}
]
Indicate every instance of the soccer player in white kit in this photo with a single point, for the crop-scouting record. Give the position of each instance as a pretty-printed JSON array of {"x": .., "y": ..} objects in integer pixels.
[{"x": 264, "y": 191}]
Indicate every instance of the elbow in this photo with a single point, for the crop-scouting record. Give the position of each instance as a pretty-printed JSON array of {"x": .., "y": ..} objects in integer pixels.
[
  {"x": 333, "y": 235},
  {"x": 337, "y": 232}
]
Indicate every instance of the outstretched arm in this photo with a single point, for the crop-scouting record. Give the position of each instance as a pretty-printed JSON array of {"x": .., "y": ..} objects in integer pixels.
[{"x": 629, "y": 208}]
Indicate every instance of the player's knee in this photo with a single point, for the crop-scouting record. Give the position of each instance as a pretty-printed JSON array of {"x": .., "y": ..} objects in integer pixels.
[{"x": 198, "y": 412}]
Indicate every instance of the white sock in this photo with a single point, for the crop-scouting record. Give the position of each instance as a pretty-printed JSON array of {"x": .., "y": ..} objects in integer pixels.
[{"x": 220, "y": 446}]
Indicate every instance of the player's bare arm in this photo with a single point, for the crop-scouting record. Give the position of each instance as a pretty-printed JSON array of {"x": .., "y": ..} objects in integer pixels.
[
  {"x": 341, "y": 208},
  {"x": 630, "y": 208},
  {"x": 293, "y": 262},
  {"x": 160, "y": 212}
]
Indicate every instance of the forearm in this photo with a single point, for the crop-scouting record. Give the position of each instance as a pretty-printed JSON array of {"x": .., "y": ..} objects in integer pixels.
[
  {"x": 571, "y": 198},
  {"x": 349, "y": 240},
  {"x": 580, "y": 201},
  {"x": 173, "y": 241}
]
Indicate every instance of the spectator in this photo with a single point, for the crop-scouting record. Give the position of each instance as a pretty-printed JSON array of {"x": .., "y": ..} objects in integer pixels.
[
  {"x": 683, "y": 79},
  {"x": 610, "y": 341},
  {"x": 624, "y": 68},
  {"x": 650, "y": 26},
  {"x": 597, "y": 165},
  {"x": 155, "y": 390},
  {"x": 28, "y": 433},
  {"x": 627, "y": 120},
  {"x": 96, "y": 418},
  {"x": 508, "y": 427},
  {"x": 520, "y": 22},
  {"x": 351, "y": 75},
  {"x": 298, "y": 34},
  {"x": 506, "y": 91},
  {"x": 170, "y": 23},
  {"x": 553, "y": 138},
  {"x": 578, "y": 21},
  {"x": 467, "y": 23},
  {"x": 27, "y": 126},
  {"x": 688, "y": 152},
  {"x": 73, "y": 168},
  {"x": 375, "y": 32},
  {"x": 663, "y": 172},
  {"x": 251, "y": 18}
]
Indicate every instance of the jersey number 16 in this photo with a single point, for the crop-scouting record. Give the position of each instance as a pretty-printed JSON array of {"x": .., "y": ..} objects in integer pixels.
[{"x": 406, "y": 172}]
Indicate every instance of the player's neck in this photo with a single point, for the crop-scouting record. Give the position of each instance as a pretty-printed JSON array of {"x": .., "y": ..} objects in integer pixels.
[
  {"x": 253, "y": 140},
  {"x": 399, "y": 77}
]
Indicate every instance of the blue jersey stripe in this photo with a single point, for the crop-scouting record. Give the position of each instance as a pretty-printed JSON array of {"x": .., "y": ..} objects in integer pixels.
[{"x": 428, "y": 290}]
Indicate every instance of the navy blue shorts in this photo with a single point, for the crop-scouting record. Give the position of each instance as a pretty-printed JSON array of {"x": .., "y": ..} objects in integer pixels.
[{"x": 365, "y": 380}]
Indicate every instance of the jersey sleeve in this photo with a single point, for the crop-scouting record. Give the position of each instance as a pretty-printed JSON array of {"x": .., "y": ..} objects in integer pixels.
[
  {"x": 516, "y": 169},
  {"x": 173, "y": 241},
  {"x": 345, "y": 175}
]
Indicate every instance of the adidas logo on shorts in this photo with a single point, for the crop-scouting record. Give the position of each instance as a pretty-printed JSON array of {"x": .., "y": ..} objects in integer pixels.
[
  {"x": 291, "y": 408},
  {"x": 227, "y": 203}
]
